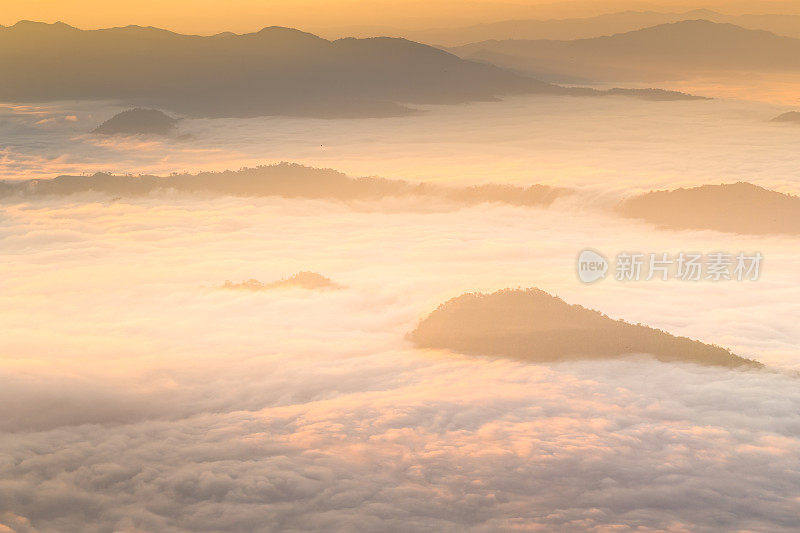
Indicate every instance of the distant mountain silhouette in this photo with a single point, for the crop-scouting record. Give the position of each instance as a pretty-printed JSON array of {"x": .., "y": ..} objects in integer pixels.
[
  {"x": 734, "y": 208},
  {"x": 791, "y": 116},
  {"x": 137, "y": 122},
  {"x": 667, "y": 51},
  {"x": 532, "y": 325},
  {"x": 301, "y": 280},
  {"x": 590, "y": 27},
  {"x": 659, "y": 95},
  {"x": 286, "y": 180},
  {"x": 276, "y": 71}
]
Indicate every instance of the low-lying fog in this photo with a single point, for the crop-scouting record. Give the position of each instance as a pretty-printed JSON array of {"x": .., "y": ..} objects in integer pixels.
[
  {"x": 612, "y": 143},
  {"x": 138, "y": 395},
  {"x": 136, "y": 392}
]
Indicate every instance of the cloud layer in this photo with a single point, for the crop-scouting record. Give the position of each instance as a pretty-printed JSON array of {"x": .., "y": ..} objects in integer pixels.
[
  {"x": 607, "y": 145},
  {"x": 135, "y": 396}
]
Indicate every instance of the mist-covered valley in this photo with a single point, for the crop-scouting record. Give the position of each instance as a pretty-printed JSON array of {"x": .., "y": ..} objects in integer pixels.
[
  {"x": 361, "y": 323},
  {"x": 171, "y": 403},
  {"x": 608, "y": 144}
]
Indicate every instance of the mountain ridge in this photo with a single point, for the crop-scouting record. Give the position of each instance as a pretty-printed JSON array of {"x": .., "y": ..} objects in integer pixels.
[
  {"x": 741, "y": 207},
  {"x": 288, "y": 180},
  {"x": 275, "y": 71},
  {"x": 685, "y": 48},
  {"x": 594, "y": 26},
  {"x": 534, "y": 326}
]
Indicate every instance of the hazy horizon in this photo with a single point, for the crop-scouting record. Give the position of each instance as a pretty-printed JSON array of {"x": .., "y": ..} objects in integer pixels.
[
  {"x": 277, "y": 281},
  {"x": 244, "y": 16},
  {"x": 524, "y": 144}
]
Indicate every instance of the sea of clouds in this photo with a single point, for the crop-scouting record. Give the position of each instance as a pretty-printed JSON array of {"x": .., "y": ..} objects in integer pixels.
[
  {"x": 610, "y": 146},
  {"x": 137, "y": 396}
]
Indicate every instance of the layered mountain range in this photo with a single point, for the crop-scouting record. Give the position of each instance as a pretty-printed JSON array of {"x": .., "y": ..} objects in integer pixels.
[{"x": 276, "y": 71}]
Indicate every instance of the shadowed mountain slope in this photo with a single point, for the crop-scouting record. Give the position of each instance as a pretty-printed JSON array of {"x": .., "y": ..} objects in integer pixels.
[
  {"x": 137, "y": 122},
  {"x": 734, "y": 208},
  {"x": 687, "y": 48},
  {"x": 286, "y": 180},
  {"x": 532, "y": 325},
  {"x": 554, "y": 29},
  {"x": 597, "y": 26},
  {"x": 276, "y": 71},
  {"x": 791, "y": 116}
]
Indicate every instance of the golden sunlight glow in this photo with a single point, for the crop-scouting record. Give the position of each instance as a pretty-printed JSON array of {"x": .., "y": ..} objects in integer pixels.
[
  {"x": 208, "y": 16},
  {"x": 443, "y": 265}
]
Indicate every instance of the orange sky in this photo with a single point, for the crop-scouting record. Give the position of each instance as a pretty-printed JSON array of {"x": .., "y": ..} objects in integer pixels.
[{"x": 207, "y": 16}]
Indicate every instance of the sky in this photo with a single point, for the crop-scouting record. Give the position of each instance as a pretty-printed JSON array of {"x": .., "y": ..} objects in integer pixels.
[{"x": 206, "y": 17}]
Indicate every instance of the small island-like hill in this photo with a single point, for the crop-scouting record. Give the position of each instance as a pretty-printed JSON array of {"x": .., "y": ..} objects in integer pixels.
[
  {"x": 138, "y": 122},
  {"x": 531, "y": 325}
]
